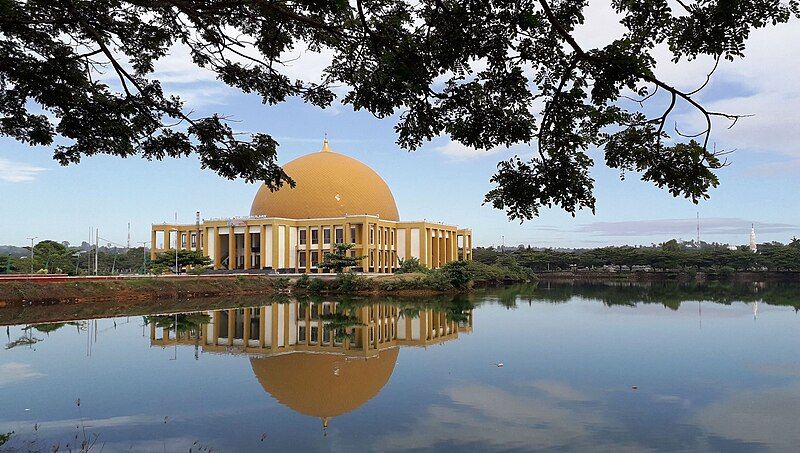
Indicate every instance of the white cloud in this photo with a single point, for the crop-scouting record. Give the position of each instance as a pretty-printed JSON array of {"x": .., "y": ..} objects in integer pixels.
[
  {"x": 11, "y": 171},
  {"x": 478, "y": 417},
  {"x": 762, "y": 84},
  {"x": 14, "y": 372},
  {"x": 709, "y": 226},
  {"x": 762, "y": 417},
  {"x": 459, "y": 151}
]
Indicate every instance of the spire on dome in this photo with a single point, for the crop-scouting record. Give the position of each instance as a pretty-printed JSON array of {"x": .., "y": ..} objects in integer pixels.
[{"x": 325, "y": 147}]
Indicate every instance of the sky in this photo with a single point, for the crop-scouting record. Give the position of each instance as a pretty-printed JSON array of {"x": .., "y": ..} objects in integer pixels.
[{"x": 444, "y": 180}]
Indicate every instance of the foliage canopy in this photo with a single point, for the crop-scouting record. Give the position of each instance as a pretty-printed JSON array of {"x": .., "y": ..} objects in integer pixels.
[{"x": 485, "y": 73}]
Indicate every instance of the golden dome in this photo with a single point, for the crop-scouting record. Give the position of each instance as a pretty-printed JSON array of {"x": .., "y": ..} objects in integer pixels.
[
  {"x": 311, "y": 385},
  {"x": 329, "y": 185}
]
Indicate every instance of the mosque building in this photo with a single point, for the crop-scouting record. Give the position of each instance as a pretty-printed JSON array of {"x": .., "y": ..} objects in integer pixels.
[
  {"x": 310, "y": 361},
  {"x": 337, "y": 200}
]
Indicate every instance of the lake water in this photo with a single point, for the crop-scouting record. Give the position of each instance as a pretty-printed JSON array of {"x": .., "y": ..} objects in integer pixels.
[{"x": 590, "y": 367}]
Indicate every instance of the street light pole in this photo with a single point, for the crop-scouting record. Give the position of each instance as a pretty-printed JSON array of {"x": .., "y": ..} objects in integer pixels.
[
  {"x": 32, "y": 239},
  {"x": 177, "y": 243},
  {"x": 144, "y": 258}
]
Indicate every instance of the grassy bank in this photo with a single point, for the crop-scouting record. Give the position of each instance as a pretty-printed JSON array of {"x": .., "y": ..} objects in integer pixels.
[
  {"x": 43, "y": 292},
  {"x": 412, "y": 280}
]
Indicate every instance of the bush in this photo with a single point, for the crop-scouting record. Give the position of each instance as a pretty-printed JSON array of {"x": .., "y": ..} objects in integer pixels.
[
  {"x": 720, "y": 272},
  {"x": 458, "y": 273},
  {"x": 158, "y": 269},
  {"x": 197, "y": 270},
  {"x": 303, "y": 281},
  {"x": 280, "y": 282},
  {"x": 349, "y": 282},
  {"x": 317, "y": 285},
  {"x": 438, "y": 280},
  {"x": 410, "y": 266}
]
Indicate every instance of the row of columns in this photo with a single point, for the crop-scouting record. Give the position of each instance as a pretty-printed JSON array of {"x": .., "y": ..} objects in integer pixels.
[
  {"x": 439, "y": 247},
  {"x": 179, "y": 235},
  {"x": 380, "y": 328}
]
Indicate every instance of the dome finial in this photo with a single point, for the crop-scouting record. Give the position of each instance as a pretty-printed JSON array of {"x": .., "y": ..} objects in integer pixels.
[{"x": 325, "y": 147}]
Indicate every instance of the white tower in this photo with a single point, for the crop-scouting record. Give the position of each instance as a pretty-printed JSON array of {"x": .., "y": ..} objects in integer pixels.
[{"x": 753, "y": 246}]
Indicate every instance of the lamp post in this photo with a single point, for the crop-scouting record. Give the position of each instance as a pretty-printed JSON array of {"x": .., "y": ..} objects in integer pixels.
[
  {"x": 77, "y": 256},
  {"x": 144, "y": 257},
  {"x": 32, "y": 239},
  {"x": 177, "y": 243}
]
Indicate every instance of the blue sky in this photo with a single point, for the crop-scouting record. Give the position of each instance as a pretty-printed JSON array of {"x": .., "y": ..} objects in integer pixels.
[{"x": 443, "y": 181}]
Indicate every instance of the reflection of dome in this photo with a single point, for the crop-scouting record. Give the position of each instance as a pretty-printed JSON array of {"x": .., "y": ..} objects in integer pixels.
[
  {"x": 329, "y": 185},
  {"x": 307, "y": 383}
]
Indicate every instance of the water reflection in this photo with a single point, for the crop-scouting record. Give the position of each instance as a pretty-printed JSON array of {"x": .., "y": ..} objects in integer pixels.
[
  {"x": 321, "y": 359},
  {"x": 586, "y": 368}
]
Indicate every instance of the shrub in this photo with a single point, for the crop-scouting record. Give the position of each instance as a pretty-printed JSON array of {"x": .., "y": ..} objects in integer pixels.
[
  {"x": 458, "y": 273},
  {"x": 348, "y": 282},
  {"x": 437, "y": 280},
  {"x": 280, "y": 282},
  {"x": 410, "y": 266},
  {"x": 197, "y": 270},
  {"x": 317, "y": 285},
  {"x": 303, "y": 281}
]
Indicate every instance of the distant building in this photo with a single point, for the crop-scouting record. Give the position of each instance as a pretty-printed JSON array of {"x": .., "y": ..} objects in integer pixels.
[
  {"x": 337, "y": 200},
  {"x": 753, "y": 246}
]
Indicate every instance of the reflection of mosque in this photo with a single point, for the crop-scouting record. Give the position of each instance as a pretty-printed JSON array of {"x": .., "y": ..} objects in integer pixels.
[{"x": 319, "y": 359}]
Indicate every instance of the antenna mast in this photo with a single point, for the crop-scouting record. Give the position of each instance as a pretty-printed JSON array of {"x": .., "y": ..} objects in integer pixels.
[{"x": 698, "y": 228}]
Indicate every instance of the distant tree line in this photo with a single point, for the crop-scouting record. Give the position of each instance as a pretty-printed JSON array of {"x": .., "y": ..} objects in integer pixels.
[
  {"x": 53, "y": 257},
  {"x": 668, "y": 256}
]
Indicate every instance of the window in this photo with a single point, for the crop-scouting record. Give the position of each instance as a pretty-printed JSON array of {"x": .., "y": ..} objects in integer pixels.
[
  {"x": 255, "y": 242},
  {"x": 301, "y": 334},
  {"x": 372, "y": 235},
  {"x": 326, "y": 236},
  {"x": 314, "y": 334},
  {"x": 353, "y": 234},
  {"x": 183, "y": 240},
  {"x": 303, "y": 237},
  {"x": 314, "y": 236},
  {"x": 302, "y": 259},
  {"x": 194, "y": 240},
  {"x": 339, "y": 236}
]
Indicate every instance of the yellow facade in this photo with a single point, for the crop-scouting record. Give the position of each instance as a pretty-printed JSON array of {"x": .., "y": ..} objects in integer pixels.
[{"x": 337, "y": 200}]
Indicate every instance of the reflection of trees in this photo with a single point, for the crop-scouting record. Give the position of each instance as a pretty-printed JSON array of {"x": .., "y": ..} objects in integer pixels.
[
  {"x": 29, "y": 340},
  {"x": 53, "y": 326},
  {"x": 671, "y": 295},
  {"x": 25, "y": 340},
  {"x": 456, "y": 308},
  {"x": 342, "y": 324},
  {"x": 509, "y": 296},
  {"x": 181, "y": 322}
]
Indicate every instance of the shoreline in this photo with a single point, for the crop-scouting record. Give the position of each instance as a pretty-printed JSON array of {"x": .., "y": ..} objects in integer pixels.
[
  {"x": 71, "y": 291},
  {"x": 114, "y": 290},
  {"x": 668, "y": 276}
]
